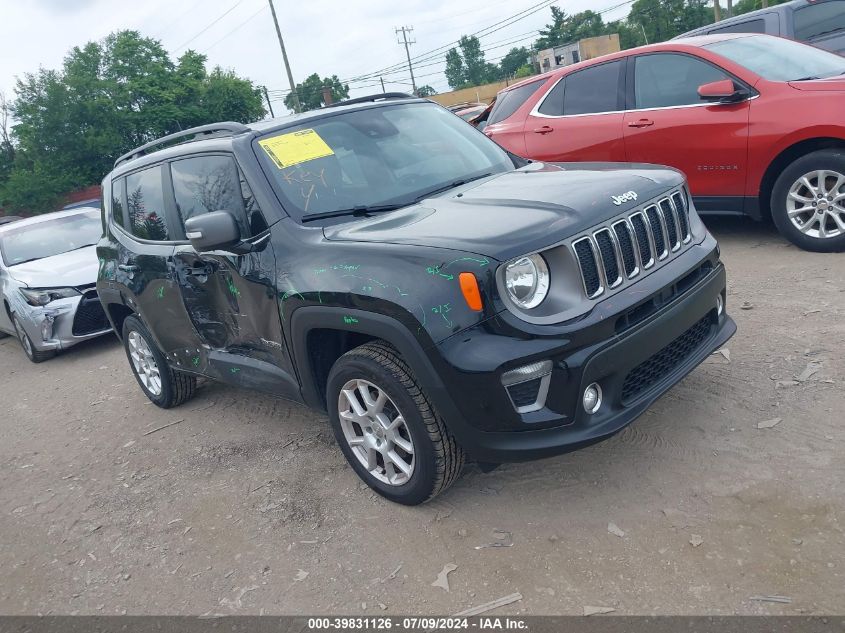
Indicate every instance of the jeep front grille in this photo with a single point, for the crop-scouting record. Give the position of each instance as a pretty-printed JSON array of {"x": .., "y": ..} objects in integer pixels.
[{"x": 629, "y": 245}]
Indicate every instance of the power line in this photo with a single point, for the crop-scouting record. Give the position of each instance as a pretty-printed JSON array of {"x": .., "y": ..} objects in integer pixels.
[
  {"x": 213, "y": 22},
  {"x": 264, "y": 8}
]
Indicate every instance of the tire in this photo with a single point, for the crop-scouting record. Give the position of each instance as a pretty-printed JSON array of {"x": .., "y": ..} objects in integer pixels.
[
  {"x": 28, "y": 347},
  {"x": 819, "y": 218},
  {"x": 437, "y": 459},
  {"x": 172, "y": 387}
]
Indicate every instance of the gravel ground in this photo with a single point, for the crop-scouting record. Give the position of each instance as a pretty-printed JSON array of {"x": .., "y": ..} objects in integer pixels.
[{"x": 245, "y": 505}]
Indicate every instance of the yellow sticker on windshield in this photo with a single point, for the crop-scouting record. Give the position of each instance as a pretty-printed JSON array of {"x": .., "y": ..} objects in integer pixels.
[{"x": 296, "y": 147}]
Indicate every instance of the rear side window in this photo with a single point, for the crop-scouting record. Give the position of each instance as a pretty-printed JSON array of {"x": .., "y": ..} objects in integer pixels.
[
  {"x": 819, "y": 19},
  {"x": 145, "y": 200},
  {"x": 510, "y": 101},
  {"x": 594, "y": 90},
  {"x": 553, "y": 103},
  {"x": 667, "y": 79},
  {"x": 748, "y": 26},
  {"x": 208, "y": 183},
  {"x": 117, "y": 195}
]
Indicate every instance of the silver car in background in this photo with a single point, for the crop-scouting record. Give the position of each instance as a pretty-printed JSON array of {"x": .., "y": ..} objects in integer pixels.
[{"x": 48, "y": 271}]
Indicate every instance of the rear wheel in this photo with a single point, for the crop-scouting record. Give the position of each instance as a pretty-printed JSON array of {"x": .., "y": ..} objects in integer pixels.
[
  {"x": 387, "y": 428},
  {"x": 808, "y": 202},
  {"x": 165, "y": 387},
  {"x": 32, "y": 354}
]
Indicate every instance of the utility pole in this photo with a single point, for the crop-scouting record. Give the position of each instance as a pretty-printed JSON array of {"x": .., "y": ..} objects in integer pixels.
[
  {"x": 765, "y": 4},
  {"x": 269, "y": 105},
  {"x": 297, "y": 107},
  {"x": 381, "y": 79},
  {"x": 717, "y": 11},
  {"x": 644, "y": 35},
  {"x": 405, "y": 32},
  {"x": 730, "y": 8}
]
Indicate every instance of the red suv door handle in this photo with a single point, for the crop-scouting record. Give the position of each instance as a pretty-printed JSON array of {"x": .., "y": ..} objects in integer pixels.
[
  {"x": 544, "y": 129},
  {"x": 640, "y": 123}
]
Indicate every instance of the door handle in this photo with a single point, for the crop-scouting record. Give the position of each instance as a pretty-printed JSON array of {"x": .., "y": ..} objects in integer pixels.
[
  {"x": 544, "y": 129},
  {"x": 128, "y": 268},
  {"x": 640, "y": 123}
]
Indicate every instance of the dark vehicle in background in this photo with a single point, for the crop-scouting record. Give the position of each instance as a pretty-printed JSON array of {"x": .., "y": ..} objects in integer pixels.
[
  {"x": 48, "y": 269},
  {"x": 755, "y": 122},
  {"x": 5, "y": 219},
  {"x": 385, "y": 262},
  {"x": 817, "y": 22},
  {"x": 469, "y": 113}
]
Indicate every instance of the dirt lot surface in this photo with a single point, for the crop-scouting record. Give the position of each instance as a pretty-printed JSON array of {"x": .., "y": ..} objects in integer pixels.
[{"x": 245, "y": 504}]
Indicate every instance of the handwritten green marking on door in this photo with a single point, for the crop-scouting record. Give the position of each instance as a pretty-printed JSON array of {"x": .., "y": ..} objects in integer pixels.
[
  {"x": 235, "y": 370},
  {"x": 435, "y": 270},
  {"x": 481, "y": 262},
  {"x": 233, "y": 288},
  {"x": 160, "y": 292},
  {"x": 349, "y": 320}
]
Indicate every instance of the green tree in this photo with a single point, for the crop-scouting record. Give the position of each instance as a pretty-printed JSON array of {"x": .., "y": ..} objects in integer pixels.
[
  {"x": 664, "y": 19},
  {"x": 107, "y": 98},
  {"x": 310, "y": 92},
  {"x": 566, "y": 29},
  {"x": 513, "y": 61},
  {"x": 426, "y": 91},
  {"x": 465, "y": 65},
  {"x": 744, "y": 6}
]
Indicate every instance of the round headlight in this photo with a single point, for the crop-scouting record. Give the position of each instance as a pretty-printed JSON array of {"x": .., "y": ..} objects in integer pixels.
[{"x": 527, "y": 281}]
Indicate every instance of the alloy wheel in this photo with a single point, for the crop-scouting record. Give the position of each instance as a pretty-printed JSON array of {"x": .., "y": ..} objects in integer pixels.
[
  {"x": 816, "y": 204},
  {"x": 376, "y": 432},
  {"x": 144, "y": 363},
  {"x": 24, "y": 339}
]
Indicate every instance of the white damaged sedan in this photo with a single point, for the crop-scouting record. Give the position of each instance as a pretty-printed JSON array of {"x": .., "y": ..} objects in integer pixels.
[{"x": 48, "y": 271}]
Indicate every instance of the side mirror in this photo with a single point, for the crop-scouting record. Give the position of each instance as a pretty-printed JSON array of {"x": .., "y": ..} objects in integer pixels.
[
  {"x": 213, "y": 231},
  {"x": 722, "y": 91}
]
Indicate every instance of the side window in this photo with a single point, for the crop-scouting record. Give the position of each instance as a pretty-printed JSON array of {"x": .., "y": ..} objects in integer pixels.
[
  {"x": 255, "y": 219},
  {"x": 748, "y": 26},
  {"x": 208, "y": 183},
  {"x": 814, "y": 20},
  {"x": 510, "y": 101},
  {"x": 593, "y": 90},
  {"x": 117, "y": 187},
  {"x": 145, "y": 201},
  {"x": 553, "y": 103},
  {"x": 667, "y": 79}
]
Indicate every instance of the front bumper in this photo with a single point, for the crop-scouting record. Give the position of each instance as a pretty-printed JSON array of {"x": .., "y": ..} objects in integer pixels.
[
  {"x": 63, "y": 323},
  {"x": 634, "y": 354}
]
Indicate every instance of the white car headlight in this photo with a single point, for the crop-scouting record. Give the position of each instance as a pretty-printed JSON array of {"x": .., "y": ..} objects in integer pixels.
[
  {"x": 527, "y": 281},
  {"x": 43, "y": 296}
]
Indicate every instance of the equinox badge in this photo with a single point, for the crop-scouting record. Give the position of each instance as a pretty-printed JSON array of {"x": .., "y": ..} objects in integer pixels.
[{"x": 625, "y": 197}]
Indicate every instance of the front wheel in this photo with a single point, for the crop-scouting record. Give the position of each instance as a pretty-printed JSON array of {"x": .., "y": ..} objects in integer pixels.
[
  {"x": 386, "y": 427},
  {"x": 165, "y": 387},
  {"x": 808, "y": 202},
  {"x": 36, "y": 356}
]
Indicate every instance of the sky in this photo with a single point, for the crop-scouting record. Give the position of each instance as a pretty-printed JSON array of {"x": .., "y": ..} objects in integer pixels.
[{"x": 347, "y": 38}]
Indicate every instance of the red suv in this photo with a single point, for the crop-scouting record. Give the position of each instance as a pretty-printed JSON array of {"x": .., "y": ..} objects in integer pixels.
[{"x": 757, "y": 124}]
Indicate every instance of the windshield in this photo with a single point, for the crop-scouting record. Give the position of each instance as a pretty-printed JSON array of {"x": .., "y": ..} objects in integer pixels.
[
  {"x": 51, "y": 237},
  {"x": 777, "y": 59},
  {"x": 376, "y": 157}
]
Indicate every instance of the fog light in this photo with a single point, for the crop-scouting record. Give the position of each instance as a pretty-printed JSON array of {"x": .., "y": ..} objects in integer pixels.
[
  {"x": 720, "y": 305},
  {"x": 47, "y": 328},
  {"x": 592, "y": 398},
  {"x": 527, "y": 372}
]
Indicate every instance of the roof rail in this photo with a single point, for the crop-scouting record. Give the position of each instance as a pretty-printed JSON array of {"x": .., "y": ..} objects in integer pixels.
[
  {"x": 376, "y": 97},
  {"x": 191, "y": 134}
]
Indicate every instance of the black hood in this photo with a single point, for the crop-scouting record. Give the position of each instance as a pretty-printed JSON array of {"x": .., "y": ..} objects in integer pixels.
[{"x": 516, "y": 212}]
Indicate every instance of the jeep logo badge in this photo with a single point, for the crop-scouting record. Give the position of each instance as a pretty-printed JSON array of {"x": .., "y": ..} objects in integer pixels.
[{"x": 625, "y": 197}]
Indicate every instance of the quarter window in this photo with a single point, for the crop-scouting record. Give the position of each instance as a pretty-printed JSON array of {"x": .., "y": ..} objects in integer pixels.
[
  {"x": 117, "y": 202},
  {"x": 666, "y": 80},
  {"x": 145, "y": 201},
  {"x": 819, "y": 19},
  {"x": 510, "y": 101},
  {"x": 593, "y": 90},
  {"x": 208, "y": 183}
]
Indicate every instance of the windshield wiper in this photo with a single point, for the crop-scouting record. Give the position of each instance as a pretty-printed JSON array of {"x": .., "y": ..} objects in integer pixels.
[
  {"x": 808, "y": 78},
  {"x": 452, "y": 185},
  {"x": 360, "y": 210}
]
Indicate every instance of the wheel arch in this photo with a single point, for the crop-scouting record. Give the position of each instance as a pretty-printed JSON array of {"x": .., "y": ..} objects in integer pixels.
[
  {"x": 320, "y": 335},
  {"x": 117, "y": 313},
  {"x": 786, "y": 157}
]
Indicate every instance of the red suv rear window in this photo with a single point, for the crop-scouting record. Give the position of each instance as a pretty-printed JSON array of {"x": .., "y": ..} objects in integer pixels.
[{"x": 509, "y": 101}]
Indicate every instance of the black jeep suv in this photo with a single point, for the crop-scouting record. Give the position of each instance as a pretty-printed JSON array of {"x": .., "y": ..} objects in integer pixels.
[{"x": 385, "y": 262}]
